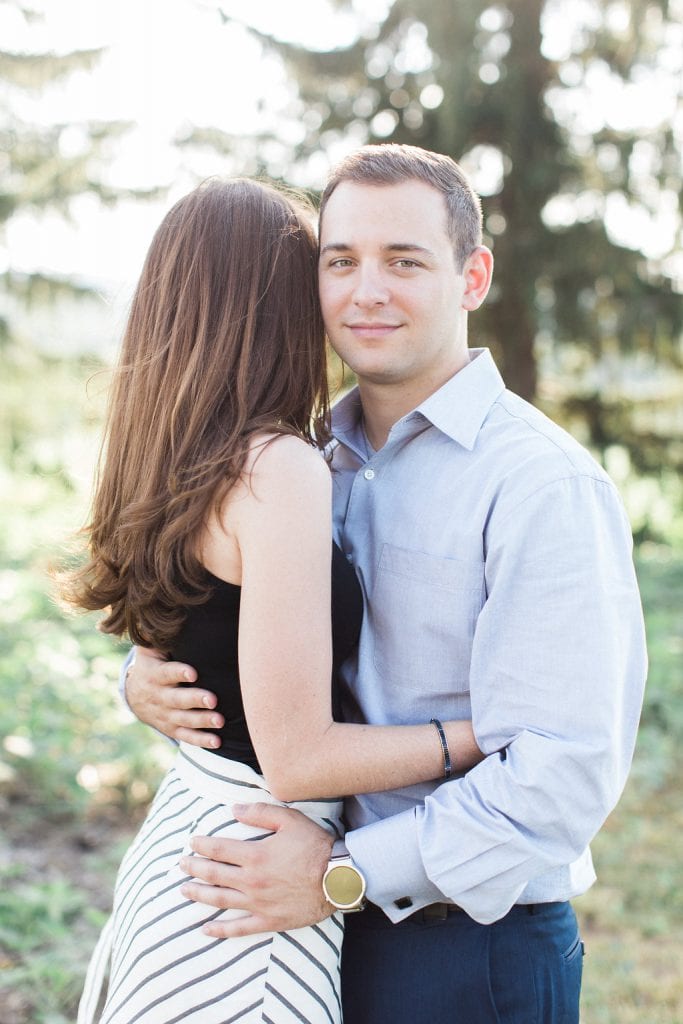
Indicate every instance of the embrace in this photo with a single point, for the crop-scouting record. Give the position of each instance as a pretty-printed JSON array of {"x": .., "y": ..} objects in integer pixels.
[{"x": 422, "y": 602}]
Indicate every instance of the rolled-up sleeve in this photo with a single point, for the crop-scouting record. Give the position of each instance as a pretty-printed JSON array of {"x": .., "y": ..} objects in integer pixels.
[{"x": 557, "y": 675}]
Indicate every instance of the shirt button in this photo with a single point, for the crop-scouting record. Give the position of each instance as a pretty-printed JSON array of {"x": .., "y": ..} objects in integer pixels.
[{"x": 369, "y": 474}]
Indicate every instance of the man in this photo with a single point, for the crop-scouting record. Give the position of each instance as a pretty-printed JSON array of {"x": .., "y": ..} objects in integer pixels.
[{"x": 495, "y": 559}]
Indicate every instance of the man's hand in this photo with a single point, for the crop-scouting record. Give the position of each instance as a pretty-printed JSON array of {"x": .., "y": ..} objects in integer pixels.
[
  {"x": 278, "y": 880},
  {"x": 154, "y": 696}
]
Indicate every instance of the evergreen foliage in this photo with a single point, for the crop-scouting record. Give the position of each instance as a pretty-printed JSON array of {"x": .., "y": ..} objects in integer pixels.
[
  {"x": 46, "y": 163},
  {"x": 471, "y": 79}
]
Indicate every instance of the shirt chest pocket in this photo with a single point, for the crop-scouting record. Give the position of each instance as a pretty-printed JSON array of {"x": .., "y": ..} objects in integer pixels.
[{"x": 423, "y": 614}]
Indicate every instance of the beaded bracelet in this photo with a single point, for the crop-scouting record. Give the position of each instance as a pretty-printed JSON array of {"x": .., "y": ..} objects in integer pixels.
[{"x": 447, "y": 765}]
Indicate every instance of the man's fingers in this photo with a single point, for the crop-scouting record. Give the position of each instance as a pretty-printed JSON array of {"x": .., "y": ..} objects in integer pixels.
[
  {"x": 231, "y": 852},
  {"x": 267, "y": 816},
  {"x": 214, "y": 896},
  {"x": 197, "y": 738},
  {"x": 173, "y": 672},
  {"x": 251, "y": 924},
  {"x": 211, "y": 872},
  {"x": 155, "y": 694},
  {"x": 181, "y": 698}
]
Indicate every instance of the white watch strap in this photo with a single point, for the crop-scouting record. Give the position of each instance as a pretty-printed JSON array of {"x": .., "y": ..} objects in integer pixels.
[{"x": 339, "y": 849}]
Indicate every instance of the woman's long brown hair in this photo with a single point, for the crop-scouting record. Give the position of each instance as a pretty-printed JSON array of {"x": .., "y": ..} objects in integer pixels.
[{"x": 224, "y": 340}]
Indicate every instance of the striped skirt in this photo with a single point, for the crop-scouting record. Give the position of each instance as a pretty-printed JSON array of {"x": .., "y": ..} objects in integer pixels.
[{"x": 163, "y": 968}]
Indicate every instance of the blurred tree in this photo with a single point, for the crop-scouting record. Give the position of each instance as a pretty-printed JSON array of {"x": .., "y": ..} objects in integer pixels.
[
  {"x": 534, "y": 98},
  {"x": 44, "y": 164}
]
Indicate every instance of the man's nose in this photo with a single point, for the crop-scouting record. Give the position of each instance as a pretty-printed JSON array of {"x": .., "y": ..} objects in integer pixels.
[{"x": 370, "y": 287}]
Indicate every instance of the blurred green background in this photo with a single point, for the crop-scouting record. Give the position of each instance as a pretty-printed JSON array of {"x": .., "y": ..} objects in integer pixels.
[{"x": 569, "y": 118}]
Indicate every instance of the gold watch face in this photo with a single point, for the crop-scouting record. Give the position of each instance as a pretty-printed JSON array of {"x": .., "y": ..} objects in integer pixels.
[{"x": 344, "y": 886}]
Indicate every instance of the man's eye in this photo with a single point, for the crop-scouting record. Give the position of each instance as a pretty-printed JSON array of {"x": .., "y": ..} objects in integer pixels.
[{"x": 407, "y": 263}]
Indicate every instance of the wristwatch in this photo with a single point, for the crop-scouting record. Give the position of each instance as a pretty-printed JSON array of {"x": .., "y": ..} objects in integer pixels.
[{"x": 343, "y": 883}]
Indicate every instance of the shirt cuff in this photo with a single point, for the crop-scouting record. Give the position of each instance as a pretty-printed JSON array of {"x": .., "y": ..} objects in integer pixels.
[
  {"x": 128, "y": 663},
  {"x": 388, "y": 854}
]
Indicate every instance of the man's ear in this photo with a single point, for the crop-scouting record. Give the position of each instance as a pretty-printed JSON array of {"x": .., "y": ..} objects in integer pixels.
[{"x": 478, "y": 271}]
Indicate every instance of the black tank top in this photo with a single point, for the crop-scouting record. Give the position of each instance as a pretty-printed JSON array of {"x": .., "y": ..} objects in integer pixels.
[{"x": 208, "y": 642}]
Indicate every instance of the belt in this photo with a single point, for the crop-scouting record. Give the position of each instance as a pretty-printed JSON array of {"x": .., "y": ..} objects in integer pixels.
[
  {"x": 433, "y": 912},
  {"x": 442, "y": 911}
]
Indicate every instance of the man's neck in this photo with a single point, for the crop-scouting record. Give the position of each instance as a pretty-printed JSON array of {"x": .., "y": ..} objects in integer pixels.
[
  {"x": 385, "y": 404},
  {"x": 381, "y": 410}
]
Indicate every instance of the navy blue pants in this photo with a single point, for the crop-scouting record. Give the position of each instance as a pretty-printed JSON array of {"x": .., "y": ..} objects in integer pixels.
[{"x": 523, "y": 969}]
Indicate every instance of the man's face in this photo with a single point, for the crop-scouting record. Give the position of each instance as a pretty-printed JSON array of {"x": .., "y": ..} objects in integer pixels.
[{"x": 390, "y": 290}]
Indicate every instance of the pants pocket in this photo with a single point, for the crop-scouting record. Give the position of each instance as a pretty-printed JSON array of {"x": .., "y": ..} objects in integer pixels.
[{"x": 576, "y": 949}]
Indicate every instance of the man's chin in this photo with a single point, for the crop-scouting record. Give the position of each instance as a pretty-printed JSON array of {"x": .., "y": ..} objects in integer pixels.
[{"x": 377, "y": 375}]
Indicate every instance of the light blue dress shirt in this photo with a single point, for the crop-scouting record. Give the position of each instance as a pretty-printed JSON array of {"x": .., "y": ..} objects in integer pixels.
[{"x": 495, "y": 559}]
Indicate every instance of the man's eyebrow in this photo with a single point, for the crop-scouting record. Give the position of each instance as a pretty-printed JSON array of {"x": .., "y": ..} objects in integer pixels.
[
  {"x": 335, "y": 247},
  {"x": 391, "y": 247},
  {"x": 408, "y": 247}
]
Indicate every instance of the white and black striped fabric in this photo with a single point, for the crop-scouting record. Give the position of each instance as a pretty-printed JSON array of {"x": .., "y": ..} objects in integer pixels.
[{"x": 163, "y": 968}]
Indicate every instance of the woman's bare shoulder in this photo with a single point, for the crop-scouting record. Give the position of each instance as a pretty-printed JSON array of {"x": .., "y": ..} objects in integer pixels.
[
  {"x": 280, "y": 470},
  {"x": 278, "y": 457}
]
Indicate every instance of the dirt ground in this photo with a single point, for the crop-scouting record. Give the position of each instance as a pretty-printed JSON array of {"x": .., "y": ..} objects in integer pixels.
[{"x": 36, "y": 852}]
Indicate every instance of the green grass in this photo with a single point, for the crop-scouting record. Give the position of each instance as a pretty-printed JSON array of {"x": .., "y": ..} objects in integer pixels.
[
  {"x": 633, "y": 917},
  {"x": 46, "y": 936}
]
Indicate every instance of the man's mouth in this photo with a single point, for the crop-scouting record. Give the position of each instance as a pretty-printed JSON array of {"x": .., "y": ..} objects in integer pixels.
[{"x": 372, "y": 328}]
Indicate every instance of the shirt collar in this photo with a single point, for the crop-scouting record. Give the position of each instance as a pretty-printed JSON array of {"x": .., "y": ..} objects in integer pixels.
[
  {"x": 461, "y": 405},
  {"x": 458, "y": 409},
  {"x": 347, "y": 423}
]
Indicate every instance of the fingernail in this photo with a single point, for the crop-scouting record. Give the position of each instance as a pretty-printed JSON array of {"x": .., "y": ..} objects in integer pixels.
[
  {"x": 216, "y": 720},
  {"x": 207, "y": 702},
  {"x": 187, "y": 675},
  {"x": 185, "y": 891},
  {"x": 239, "y": 808},
  {"x": 182, "y": 863}
]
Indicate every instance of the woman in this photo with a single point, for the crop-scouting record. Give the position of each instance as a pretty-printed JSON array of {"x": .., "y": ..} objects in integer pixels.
[{"x": 211, "y": 540}]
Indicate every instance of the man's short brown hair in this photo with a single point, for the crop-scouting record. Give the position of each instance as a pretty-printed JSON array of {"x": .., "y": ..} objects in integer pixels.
[{"x": 392, "y": 164}]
